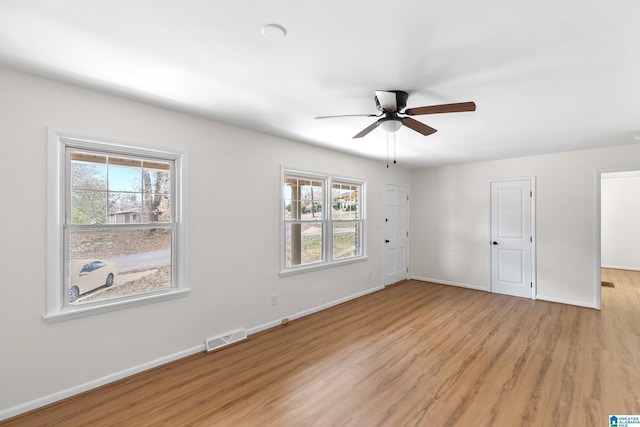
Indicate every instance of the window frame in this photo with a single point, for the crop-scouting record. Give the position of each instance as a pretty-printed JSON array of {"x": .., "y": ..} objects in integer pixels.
[
  {"x": 327, "y": 221},
  {"x": 58, "y": 182},
  {"x": 361, "y": 220}
]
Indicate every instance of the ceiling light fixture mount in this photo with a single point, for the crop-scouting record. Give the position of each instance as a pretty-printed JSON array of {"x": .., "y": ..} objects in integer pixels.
[{"x": 273, "y": 32}]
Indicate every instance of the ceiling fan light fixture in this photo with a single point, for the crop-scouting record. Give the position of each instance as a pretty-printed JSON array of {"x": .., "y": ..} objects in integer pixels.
[{"x": 391, "y": 125}]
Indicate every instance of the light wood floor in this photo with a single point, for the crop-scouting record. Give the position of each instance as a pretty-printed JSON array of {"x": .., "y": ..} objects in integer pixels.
[{"x": 415, "y": 354}]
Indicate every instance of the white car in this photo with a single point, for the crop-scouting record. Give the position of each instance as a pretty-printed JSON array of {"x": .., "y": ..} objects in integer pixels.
[{"x": 89, "y": 274}]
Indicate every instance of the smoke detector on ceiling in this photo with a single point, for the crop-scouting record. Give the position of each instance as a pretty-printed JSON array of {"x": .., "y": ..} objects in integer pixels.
[{"x": 273, "y": 32}]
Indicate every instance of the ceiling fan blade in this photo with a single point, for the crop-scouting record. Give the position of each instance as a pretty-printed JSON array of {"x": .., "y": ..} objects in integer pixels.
[
  {"x": 443, "y": 108},
  {"x": 387, "y": 100},
  {"x": 418, "y": 126},
  {"x": 346, "y": 115},
  {"x": 366, "y": 130}
]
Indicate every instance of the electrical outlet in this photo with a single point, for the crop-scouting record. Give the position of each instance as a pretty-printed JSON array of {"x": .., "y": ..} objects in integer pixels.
[
  {"x": 369, "y": 275},
  {"x": 274, "y": 299}
]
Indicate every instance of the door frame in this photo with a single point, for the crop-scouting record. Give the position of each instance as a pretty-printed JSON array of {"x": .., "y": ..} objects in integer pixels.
[
  {"x": 532, "y": 180},
  {"x": 597, "y": 286},
  {"x": 407, "y": 249}
]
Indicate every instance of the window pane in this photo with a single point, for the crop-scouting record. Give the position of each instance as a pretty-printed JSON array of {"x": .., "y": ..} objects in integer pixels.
[
  {"x": 125, "y": 178},
  {"x": 144, "y": 193},
  {"x": 156, "y": 208},
  {"x": 157, "y": 188},
  {"x": 109, "y": 263},
  {"x": 156, "y": 181},
  {"x": 87, "y": 175},
  {"x": 88, "y": 181},
  {"x": 346, "y": 239},
  {"x": 312, "y": 201},
  {"x": 345, "y": 201},
  {"x": 303, "y": 199},
  {"x": 88, "y": 207},
  {"x": 118, "y": 190},
  {"x": 125, "y": 208},
  {"x": 292, "y": 198},
  {"x": 304, "y": 243}
]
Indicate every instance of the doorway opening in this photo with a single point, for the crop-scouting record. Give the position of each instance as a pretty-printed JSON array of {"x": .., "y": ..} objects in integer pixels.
[{"x": 618, "y": 222}]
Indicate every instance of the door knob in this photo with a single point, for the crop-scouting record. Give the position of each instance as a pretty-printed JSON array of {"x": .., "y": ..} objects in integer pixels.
[
  {"x": 494, "y": 243},
  {"x": 386, "y": 241}
]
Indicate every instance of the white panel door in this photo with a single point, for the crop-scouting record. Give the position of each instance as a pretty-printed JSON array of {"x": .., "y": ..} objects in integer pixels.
[
  {"x": 395, "y": 233},
  {"x": 511, "y": 237}
]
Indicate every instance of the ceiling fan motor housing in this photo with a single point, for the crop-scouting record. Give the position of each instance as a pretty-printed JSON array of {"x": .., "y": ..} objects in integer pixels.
[{"x": 401, "y": 100}]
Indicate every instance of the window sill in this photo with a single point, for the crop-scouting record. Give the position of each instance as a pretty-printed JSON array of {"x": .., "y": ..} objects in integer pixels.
[
  {"x": 69, "y": 313},
  {"x": 321, "y": 266}
]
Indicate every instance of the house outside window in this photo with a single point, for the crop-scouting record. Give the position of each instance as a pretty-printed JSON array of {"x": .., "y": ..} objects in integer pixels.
[
  {"x": 323, "y": 221},
  {"x": 116, "y": 225}
]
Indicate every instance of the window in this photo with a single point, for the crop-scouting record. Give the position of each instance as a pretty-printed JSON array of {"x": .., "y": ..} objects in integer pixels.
[
  {"x": 320, "y": 227},
  {"x": 115, "y": 225},
  {"x": 346, "y": 215}
]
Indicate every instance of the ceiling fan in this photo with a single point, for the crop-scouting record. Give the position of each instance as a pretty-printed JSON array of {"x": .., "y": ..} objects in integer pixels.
[{"x": 391, "y": 103}]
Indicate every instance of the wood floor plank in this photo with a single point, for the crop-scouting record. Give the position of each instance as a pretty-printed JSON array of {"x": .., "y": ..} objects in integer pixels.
[{"x": 414, "y": 354}]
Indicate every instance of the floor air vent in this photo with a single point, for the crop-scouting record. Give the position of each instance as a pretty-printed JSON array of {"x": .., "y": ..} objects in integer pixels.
[{"x": 224, "y": 340}]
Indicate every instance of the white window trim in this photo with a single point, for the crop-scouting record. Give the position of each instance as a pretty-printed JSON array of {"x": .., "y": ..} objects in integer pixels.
[
  {"x": 328, "y": 180},
  {"x": 57, "y": 141}
]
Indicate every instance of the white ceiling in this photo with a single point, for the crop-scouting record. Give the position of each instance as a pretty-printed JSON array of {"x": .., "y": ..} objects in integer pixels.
[{"x": 546, "y": 75}]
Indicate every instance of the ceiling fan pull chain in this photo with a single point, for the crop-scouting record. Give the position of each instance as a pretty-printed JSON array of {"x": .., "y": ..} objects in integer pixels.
[
  {"x": 387, "y": 150},
  {"x": 394, "y": 148}
]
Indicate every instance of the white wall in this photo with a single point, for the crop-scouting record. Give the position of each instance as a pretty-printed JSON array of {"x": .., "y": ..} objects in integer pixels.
[
  {"x": 620, "y": 219},
  {"x": 450, "y": 220},
  {"x": 234, "y": 250}
]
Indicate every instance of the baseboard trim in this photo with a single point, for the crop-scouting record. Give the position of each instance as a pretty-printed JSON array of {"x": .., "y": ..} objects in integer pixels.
[
  {"x": 303, "y": 313},
  {"x": 72, "y": 391},
  {"x": 566, "y": 301},
  {"x": 618, "y": 267},
  {"x": 481, "y": 288},
  {"x": 450, "y": 283}
]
